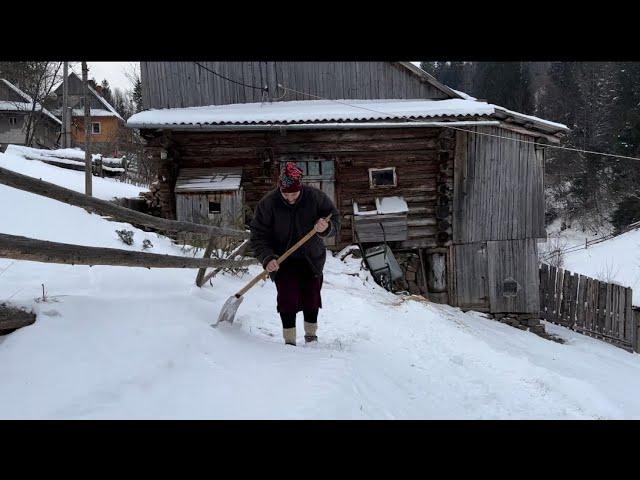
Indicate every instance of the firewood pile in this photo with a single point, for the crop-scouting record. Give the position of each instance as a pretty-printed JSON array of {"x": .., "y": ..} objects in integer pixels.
[{"x": 152, "y": 198}]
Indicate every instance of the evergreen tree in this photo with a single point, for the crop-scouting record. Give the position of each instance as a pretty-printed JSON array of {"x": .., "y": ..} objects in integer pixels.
[
  {"x": 504, "y": 83},
  {"x": 106, "y": 91},
  {"x": 137, "y": 95}
]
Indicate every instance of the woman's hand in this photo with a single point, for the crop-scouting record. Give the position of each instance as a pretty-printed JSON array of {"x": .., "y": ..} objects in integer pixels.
[
  {"x": 272, "y": 266},
  {"x": 321, "y": 225}
]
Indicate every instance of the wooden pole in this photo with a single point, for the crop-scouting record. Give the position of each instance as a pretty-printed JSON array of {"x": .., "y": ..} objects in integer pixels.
[
  {"x": 108, "y": 209},
  {"x": 66, "y": 114},
  {"x": 87, "y": 132},
  {"x": 23, "y": 248}
]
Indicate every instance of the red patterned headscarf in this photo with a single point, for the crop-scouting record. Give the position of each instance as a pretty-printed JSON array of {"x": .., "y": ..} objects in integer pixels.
[{"x": 290, "y": 178}]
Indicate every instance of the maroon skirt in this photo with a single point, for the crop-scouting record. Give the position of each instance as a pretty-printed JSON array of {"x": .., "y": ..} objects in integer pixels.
[{"x": 298, "y": 287}]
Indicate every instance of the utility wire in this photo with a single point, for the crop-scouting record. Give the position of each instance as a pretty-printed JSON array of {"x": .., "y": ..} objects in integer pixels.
[
  {"x": 264, "y": 89},
  {"x": 545, "y": 145},
  {"x": 288, "y": 89}
]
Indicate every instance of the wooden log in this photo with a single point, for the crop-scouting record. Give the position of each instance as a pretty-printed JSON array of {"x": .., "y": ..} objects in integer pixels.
[
  {"x": 108, "y": 209},
  {"x": 12, "y": 318},
  {"x": 23, "y": 248},
  {"x": 237, "y": 252},
  {"x": 207, "y": 254}
]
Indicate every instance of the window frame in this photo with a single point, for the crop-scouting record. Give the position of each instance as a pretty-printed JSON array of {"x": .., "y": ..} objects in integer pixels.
[
  {"x": 99, "y": 128},
  {"x": 13, "y": 121},
  {"x": 219, "y": 208},
  {"x": 372, "y": 185}
]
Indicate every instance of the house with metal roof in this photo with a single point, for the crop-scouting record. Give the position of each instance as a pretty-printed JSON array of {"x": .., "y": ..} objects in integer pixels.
[
  {"x": 17, "y": 109},
  {"x": 450, "y": 186}
]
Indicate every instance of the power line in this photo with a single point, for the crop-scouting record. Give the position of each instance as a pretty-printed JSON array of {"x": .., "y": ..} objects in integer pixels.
[
  {"x": 264, "y": 89},
  {"x": 544, "y": 145}
]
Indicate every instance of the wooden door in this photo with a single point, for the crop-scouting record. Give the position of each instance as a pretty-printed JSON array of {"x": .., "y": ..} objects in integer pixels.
[{"x": 317, "y": 172}]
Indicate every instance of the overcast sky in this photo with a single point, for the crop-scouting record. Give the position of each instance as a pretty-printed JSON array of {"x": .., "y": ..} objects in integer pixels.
[{"x": 114, "y": 72}]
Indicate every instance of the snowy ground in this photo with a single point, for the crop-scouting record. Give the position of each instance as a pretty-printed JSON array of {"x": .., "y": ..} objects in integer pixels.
[{"x": 115, "y": 342}]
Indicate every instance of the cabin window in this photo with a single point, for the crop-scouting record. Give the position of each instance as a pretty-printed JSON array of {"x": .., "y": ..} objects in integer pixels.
[
  {"x": 13, "y": 120},
  {"x": 95, "y": 127},
  {"x": 382, "y": 177},
  {"x": 214, "y": 207}
]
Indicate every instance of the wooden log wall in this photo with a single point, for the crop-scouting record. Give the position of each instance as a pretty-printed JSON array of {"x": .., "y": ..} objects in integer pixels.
[
  {"x": 587, "y": 305},
  {"x": 423, "y": 158}
]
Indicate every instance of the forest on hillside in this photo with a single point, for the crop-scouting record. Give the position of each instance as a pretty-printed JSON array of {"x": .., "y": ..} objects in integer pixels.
[{"x": 599, "y": 101}]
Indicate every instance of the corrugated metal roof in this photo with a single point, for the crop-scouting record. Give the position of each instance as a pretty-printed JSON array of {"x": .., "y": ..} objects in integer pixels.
[
  {"x": 217, "y": 179},
  {"x": 323, "y": 111}
]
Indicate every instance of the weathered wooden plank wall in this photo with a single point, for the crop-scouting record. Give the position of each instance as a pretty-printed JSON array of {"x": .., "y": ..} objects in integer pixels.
[
  {"x": 472, "y": 289},
  {"x": 185, "y": 84},
  {"x": 513, "y": 260},
  {"x": 499, "y": 188},
  {"x": 194, "y": 207},
  {"x": 498, "y": 200},
  {"x": 587, "y": 305}
]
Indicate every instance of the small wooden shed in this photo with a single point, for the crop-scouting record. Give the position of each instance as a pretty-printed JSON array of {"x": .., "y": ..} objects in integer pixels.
[{"x": 210, "y": 195}]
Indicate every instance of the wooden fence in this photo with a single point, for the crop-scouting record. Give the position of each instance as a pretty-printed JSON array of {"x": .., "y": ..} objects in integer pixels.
[{"x": 586, "y": 305}]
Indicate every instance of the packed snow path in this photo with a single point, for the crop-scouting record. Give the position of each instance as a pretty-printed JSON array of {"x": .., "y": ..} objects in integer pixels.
[{"x": 125, "y": 343}]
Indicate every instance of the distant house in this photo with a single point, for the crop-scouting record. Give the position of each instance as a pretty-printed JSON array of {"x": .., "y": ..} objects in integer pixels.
[
  {"x": 108, "y": 129},
  {"x": 454, "y": 186},
  {"x": 15, "y": 107}
]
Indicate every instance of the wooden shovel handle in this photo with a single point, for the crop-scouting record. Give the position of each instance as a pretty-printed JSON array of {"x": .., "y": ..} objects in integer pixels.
[{"x": 263, "y": 275}]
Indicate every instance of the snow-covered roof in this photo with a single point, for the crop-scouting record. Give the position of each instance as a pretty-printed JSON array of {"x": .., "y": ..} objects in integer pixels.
[
  {"x": 323, "y": 111},
  {"x": 25, "y": 106},
  {"x": 94, "y": 112},
  {"x": 208, "y": 179},
  {"x": 105, "y": 103}
]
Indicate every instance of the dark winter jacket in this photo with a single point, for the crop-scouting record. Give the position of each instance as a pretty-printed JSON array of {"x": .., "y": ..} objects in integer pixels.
[{"x": 278, "y": 225}]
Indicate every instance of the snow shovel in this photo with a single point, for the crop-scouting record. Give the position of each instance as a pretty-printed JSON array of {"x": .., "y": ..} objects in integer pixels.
[{"x": 230, "y": 307}]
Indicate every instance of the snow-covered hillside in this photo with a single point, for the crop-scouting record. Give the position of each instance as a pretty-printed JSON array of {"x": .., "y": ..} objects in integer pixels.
[
  {"x": 115, "y": 342},
  {"x": 616, "y": 260}
]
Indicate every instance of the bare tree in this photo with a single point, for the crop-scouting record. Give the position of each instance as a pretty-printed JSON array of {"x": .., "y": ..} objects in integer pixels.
[{"x": 37, "y": 80}]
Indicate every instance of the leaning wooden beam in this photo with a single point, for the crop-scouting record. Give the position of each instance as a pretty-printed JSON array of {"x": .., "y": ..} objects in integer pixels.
[
  {"x": 201, "y": 280},
  {"x": 23, "y": 248},
  {"x": 12, "y": 318},
  {"x": 108, "y": 209}
]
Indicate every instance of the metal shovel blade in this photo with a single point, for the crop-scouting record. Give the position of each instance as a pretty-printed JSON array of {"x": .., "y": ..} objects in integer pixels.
[{"x": 229, "y": 309}]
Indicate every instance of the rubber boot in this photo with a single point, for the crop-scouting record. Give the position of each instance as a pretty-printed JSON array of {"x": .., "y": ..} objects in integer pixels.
[
  {"x": 310, "y": 330},
  {"x": 289, "y": 335}
]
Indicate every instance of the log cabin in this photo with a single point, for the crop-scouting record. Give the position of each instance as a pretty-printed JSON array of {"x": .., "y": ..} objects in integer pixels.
[{"x": 452, "y": 185}]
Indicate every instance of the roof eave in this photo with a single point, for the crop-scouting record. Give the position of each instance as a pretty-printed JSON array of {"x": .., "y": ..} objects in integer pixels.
[{"x": 426, "y": 76}]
